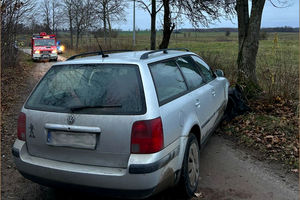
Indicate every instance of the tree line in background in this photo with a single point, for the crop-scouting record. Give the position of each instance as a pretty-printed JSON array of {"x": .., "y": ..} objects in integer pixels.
[
  {"x": 98, "y": 17},
  {"x": 78, "y": 16},
  {"x": 273, "y": 29}
]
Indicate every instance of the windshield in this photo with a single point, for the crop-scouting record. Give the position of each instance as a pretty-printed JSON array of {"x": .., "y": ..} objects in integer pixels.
[
  {"x": 94, "y": 89},
  {"x": 44, "y": 42}
]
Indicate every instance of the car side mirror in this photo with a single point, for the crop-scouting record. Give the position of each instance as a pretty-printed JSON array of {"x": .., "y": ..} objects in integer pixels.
[{"x": 219, "y": 72}]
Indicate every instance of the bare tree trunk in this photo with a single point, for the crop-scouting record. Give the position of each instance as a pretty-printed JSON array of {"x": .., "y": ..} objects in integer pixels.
[
  {"x": 104, "y": 21},
  {"x": 249, "y": 28},
  {"x": 70, "y": 15},
  {"x": 153, "y": 25},
  {"x": 77, "y": 39},
  {"x": 168, "y": 26},
  {"x": 46, "y": 12},
  {"x": 53, "y": 17},
  {"x": 109, "y": 30},
  {"x": 69, "y": 5},
  {"x": 71, "y": 33}
]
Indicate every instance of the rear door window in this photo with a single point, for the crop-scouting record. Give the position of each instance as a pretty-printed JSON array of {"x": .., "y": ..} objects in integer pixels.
[
  {"x": 168, "y": 80},
  {"x": 90, "y": 89},
  {"x": 190, "y": 72},
  {"x": 204, "y": 68}
]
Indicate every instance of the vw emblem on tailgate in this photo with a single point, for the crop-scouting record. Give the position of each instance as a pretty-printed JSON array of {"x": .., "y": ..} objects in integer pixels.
[{"x": 71, "y": 119}]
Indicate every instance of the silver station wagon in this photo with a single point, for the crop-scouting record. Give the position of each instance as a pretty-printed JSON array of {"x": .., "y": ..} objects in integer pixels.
[{"x": 126, "y": 124}]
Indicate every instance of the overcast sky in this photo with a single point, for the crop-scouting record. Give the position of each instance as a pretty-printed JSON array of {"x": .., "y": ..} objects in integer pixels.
[{"x": 272, "y": 17}]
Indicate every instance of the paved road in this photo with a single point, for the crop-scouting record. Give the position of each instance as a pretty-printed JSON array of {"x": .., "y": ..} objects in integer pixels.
[{"x": 227, "y": 172}]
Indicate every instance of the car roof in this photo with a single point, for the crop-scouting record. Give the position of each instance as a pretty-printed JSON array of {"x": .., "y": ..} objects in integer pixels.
[{"x": 127, "y": 57}]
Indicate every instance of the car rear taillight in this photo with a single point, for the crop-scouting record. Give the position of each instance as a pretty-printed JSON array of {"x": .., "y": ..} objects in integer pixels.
[
  {"x": 22, "y": 127},
  {"x": 147, "y": 136}
]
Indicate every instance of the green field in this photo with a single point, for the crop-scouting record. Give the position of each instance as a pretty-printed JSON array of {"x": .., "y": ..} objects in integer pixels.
[{"x": 277, "y": 61}]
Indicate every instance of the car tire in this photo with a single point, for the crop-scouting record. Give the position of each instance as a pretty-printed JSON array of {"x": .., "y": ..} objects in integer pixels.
[{"x": 189, "y": 179}]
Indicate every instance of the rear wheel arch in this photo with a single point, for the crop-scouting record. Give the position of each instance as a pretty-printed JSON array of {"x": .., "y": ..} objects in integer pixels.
[
  {"x": 193, "y": 130},
  {"x": 187, "y": 179},
  {"x": 197, "y": 132}
]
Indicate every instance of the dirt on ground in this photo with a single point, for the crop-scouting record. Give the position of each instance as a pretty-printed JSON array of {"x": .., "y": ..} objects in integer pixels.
[
  {"x": 17, "y": 84},
  {"x": 227, "y": 170},
  {"x": 270, "y": 128}
]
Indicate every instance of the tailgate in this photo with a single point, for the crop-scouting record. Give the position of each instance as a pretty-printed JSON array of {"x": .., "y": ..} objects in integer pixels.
[
  {"x": 74, "y": 143},
  {"x": 83, "y": 113}
]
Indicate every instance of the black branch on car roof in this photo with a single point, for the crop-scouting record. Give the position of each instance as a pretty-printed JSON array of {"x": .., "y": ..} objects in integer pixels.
[
  {"x": 165, "y": 51},
  {"x": 98, "y": 53}
]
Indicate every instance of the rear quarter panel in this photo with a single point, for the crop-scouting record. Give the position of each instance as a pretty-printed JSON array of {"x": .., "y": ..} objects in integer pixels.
[{"x": 178, "y": 117}]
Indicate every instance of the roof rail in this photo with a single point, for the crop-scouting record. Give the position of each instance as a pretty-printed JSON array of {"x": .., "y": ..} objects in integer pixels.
[
  {"x": 165, "y": 51},
  {"x": 97, "y": 53}
]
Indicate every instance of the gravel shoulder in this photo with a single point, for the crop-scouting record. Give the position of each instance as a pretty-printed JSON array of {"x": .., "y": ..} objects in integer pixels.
[
  {"x": 227, "y": 170},
  {"x": 230, "y": 172}
]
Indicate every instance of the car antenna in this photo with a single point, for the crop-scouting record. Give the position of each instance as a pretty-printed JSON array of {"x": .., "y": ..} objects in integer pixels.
[{"x": 103, "y": 55}]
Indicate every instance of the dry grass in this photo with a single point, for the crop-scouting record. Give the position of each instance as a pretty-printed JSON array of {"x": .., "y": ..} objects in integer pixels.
[{"x": 277, "y": 73}]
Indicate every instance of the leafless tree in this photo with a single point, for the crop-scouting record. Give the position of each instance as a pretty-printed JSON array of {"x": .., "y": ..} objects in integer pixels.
[
  {"x": 110, "y": 11},
  {"x": 155, "y": 8},
  {"x": 13, "y": 12},
  {"x": 204, "y": 12},
  {"x": 51, "y": 12},
  {"x": 56, "y": 14},
  {"x": 83, "y": 16},
  {"x": 32, "y": 21},
  {"x": 46, "y": 13},
  {"x": 68, "y": 6},
  {"x": 198, "y": 12}
]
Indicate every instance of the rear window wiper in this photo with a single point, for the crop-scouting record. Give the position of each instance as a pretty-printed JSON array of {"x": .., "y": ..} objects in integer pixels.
[{"x": 96, "y": 106}]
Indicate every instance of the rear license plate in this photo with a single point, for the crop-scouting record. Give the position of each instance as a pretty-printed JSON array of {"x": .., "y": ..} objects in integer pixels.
[
  {"x": 72, "y": 139},
  {"x": 45, "y": 56}
]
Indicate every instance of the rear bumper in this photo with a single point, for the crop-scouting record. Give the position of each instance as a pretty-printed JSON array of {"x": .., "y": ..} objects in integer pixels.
[
  {"x": 142, "y": 178},
  {"x": 135, "y": 194}
]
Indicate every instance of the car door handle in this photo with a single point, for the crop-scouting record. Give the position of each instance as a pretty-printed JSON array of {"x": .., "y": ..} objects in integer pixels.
[
  {"x": 213, "y": 92},
  {"x": 197, "y": 104}
]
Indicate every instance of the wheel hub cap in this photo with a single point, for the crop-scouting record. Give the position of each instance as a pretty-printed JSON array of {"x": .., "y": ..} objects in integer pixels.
[{"x": 193, "y": 164}]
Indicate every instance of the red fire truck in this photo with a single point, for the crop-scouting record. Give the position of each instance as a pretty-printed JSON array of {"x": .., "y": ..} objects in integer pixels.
[{"x": 43, "y": 46}]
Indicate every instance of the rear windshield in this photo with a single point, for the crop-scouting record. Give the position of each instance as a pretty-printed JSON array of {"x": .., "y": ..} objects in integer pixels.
[
  {"x": 90, "y": 89},
  {"x": 44, "y": 42}
]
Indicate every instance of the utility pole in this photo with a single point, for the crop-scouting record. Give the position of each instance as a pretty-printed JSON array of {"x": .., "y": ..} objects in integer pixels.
[{"x": 133, "y": 22}]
